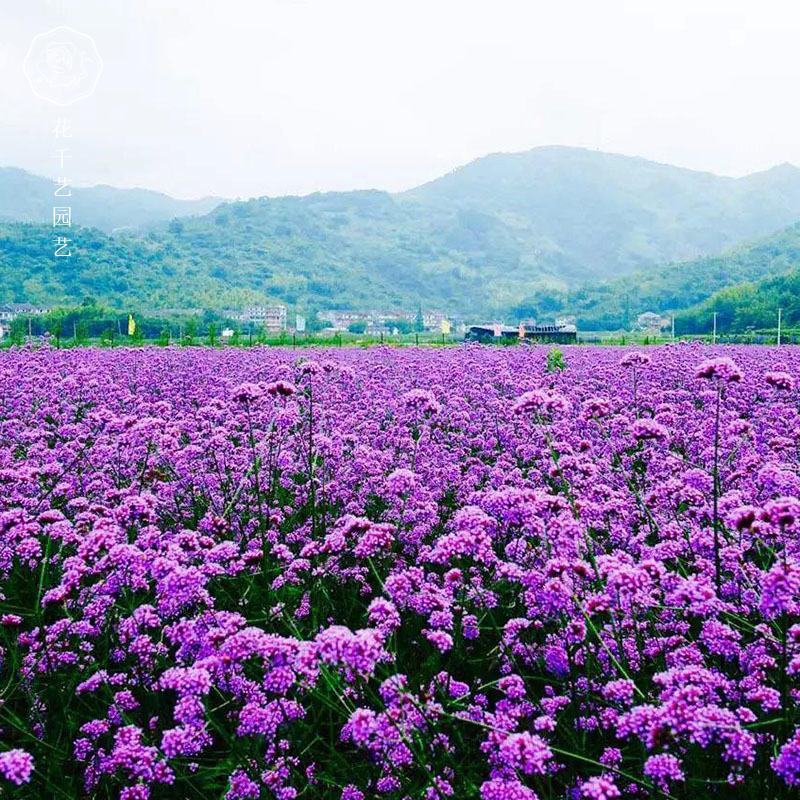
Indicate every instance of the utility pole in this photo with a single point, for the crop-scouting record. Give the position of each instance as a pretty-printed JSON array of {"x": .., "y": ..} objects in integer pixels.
[
  {"x": 673, "y": 328},
  {"x": 714, "y": 339},
  {"x": 780, "y": 314}
]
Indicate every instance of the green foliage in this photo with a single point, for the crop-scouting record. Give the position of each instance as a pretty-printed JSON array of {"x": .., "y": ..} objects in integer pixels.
[
  {"x": 501, "y": 233},
  {"x": 18, "y": 330},
  {"x": 744, "y": 286},
  {"x": 190, "y": 333},
  {"x": 81, "y": 330},
  {"x": 138, "y": 335},
  {"x": 419, "y": 321},
  {"x": 555, "y": 360},
  {"x": 28, "y": 198},
  {"x": 746, "y": 306}
]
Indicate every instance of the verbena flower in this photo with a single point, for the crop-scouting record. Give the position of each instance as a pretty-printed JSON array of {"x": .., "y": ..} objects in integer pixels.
[
  {"x": 16, "y": 766},
  {"x": 723, "y": 369}
]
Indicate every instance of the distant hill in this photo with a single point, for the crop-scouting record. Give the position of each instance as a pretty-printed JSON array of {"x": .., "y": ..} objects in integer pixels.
[
  {"x": 591, "y": 215},
  {"x": 740, "y": 284},
  {"x": 747, "y": 305},
  {"x": 506, "y": 231},
  {"x": 25, "y": 197},
  {"x": 751, "y": 304}
]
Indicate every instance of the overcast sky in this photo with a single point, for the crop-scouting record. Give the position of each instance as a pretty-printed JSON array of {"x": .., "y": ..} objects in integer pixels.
[{"x": 254, "y": 97}]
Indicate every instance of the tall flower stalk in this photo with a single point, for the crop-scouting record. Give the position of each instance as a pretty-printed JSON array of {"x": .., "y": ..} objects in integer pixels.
[{"x": 720, "y": 371}]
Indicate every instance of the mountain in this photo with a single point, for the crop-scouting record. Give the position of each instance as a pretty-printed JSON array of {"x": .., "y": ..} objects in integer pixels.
[
  {"x": 750, "y": 305},
  {"x": 504, "y": 231},
  {"x": 739, "y": 284},
  {"x": 593, "y": 215},
  {"x": 25, "y": 197},
  {"x": 754, "y": 303}
]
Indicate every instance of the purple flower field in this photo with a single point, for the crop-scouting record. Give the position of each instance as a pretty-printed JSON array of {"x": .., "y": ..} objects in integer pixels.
[{"x": 385, "y": 573}]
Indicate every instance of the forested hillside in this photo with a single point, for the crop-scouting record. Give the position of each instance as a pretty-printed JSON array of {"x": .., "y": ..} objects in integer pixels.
[
  {"x": 533, "y": 234},
  {"x": 685, "y": 286},
  {"x": 29, "y": 198}
]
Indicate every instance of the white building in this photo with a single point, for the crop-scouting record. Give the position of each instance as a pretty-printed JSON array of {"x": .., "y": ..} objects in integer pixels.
[
  {"x": 342, "y": 320},
  {"x": 650, "y": 322},
  {"x": 270, "y": 318},
  {"x": 10, "y": 311}
]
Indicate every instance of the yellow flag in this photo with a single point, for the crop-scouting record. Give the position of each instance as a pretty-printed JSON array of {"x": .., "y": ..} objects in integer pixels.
[
  {"x": 131, "y": 325},
  {"x": 446, "y": 326}
]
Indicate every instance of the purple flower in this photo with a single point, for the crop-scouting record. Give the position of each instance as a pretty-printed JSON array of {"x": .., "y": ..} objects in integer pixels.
[
  {"x": 782, "y": 381},
  {"x": 234, "y": 545},
  {"x": 16, "y": 766},
  {"x": 635, "y": 359},
  {"x": 721, "y": 369},
  {"x": 421, "y": 401},
  {"x": 357, "y": 653},
  {"x": 780, "y": 590},
  {"x": 540, "y": 401},
  {"x": 787, "y": 762},
  {"x": 663, "y": 769},
  {"x": 247, "y": 393},
  {"x": 649, "y": 430},
  {"x": 441, "y": 640},
  {"x": 526, "y": 752},
  {"x": 281, "y": 388},
  {"x": 596, "y": 407},
  {"x": 499, "y": 789},
  {"x": 600, "y": 787}
]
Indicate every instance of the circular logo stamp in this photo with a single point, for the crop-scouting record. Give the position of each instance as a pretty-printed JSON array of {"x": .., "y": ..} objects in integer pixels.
[{"x": 63, "y": 66}]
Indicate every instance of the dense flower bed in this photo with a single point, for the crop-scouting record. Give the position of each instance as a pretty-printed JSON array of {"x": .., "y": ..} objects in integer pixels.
[{"x": 400, "y": 574}]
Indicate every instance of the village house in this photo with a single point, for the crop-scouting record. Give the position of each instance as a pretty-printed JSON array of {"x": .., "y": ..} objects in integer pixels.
[
  {"x": 342, "y": 320},
  {"x": 10, "y": 311},
  {"x": 650, "y": 322},
  {"x": 272, "y": 319}
]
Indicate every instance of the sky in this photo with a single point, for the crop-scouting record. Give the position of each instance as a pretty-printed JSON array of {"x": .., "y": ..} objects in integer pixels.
[{"x": 241, "y": 98}]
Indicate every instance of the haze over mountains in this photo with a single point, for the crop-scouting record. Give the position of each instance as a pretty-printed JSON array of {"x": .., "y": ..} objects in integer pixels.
[
  {"x": 29, "y": 198},
  {"x": 501, "y": 232},
  {"x": 740, "y": 284},
  {"x": 595, "y": 215}
]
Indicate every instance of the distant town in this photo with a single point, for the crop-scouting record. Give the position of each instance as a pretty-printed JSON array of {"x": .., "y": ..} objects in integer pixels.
[{"x": 275, "y": 320}]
